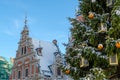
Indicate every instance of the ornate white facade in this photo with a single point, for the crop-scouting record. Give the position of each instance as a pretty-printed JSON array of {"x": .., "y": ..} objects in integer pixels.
[{"x": 36, "y": 60}]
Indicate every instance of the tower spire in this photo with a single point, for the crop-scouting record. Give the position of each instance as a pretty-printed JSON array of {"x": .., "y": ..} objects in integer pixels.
[
  {"x": 25, "y": 23},
  {"x": 25, "y": 20},
  {"x": 25, "y": 31}
]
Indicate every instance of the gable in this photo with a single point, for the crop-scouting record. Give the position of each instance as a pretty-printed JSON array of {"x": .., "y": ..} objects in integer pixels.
[{"x": 47, "y": 58}]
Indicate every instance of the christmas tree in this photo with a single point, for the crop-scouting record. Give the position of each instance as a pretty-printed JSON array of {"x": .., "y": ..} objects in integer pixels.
[{"x": 94, "y": 46}]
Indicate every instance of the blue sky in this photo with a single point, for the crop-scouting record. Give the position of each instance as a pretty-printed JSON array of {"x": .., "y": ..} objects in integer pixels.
[{"x": 47, "y": 20}]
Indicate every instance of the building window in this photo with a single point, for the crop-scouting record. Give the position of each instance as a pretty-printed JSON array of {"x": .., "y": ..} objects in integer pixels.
[
  {"x": 39, "y": 51},
  {"x": 26, "y": 72},
  {"x": 22, "y": 50},
  {"x": 58, "y": 71},
  {"x": 18, "y": 74},
  {"x": 14, "y": 75},
  {"x": 25, "y": 50}
]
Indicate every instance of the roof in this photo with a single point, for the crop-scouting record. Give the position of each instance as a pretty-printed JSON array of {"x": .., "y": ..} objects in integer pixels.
[{"x": 47, "y": 58}]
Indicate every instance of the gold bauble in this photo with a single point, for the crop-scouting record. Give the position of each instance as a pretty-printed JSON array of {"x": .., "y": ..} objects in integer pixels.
[
  {"x": 117, "y": 44},
  {"x": 67, "y": 71},
  {"x": 91, "y": 15},
  {"x": 100, "y": 46}
]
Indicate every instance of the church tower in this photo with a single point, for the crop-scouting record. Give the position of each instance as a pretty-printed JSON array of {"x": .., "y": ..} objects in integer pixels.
[{"x": 24, "y": 63}]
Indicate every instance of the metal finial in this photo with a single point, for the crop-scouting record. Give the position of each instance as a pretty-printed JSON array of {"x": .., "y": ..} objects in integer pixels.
[
  {"x": 25, "y": 20},
  {"x": 25, "y": 25}
]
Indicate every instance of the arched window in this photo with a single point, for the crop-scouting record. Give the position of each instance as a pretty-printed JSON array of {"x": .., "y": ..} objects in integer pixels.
[
  {"x": 26, "y": 72},
  {"x": 22, "y": 51},
  {"x": 58, "y": 71},
  {"x": 25, "y": 50},
  {"x": 19, "y": 74}
]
